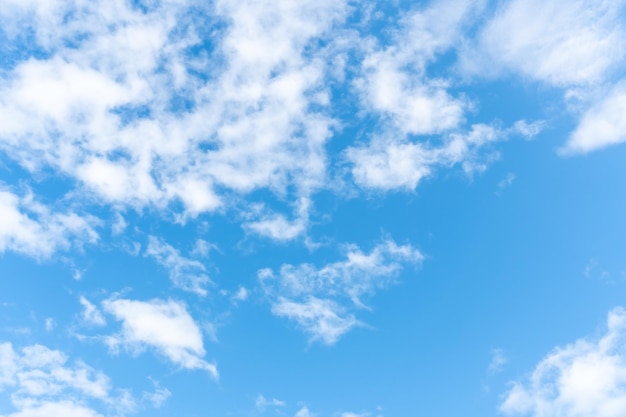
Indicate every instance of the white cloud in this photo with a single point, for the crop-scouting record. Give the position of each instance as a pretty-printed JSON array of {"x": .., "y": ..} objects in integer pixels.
[
  {"x": 262, "y": 403},
  {"x": 202, "y": 248},
  {"x": 315, "y": 298},
  {"x": 507, "y": 181},
  {"x": 43, "y": 384},
  {"x": 158, "y": 397},
  {"x": 395, "y": 82},
  {"x": 119, "y": 224},
  {"x": 276, "y": 226},
  {"x": 304, "y": 412},
  {"x": 242, "y": 294},
  {"x": 602, "y": 125},
  {"x": 185, "y": 273},
  {"x": 325, "y": 320},
  {"x": 100, "y": 106},
  {"x": 30, "y": 228},
  {"x": 50, "y": 324},
  {"x": 91, "y": 314},
  {"x": 61, "y": 408},
  {"x": 391, "y": 163},
  {"x": 165, "y": 326},
  {"x": 585, "y": 378},
  {"x": 528, "y": 130},
  {"x": 576, "y": 45},
  {"x": 562, "y": 42},
  {"x": 498, "y": 360}
]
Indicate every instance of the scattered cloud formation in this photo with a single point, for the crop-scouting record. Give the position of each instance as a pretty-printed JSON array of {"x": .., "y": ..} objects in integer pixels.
[
  {"x": 164, "y": 326},
  {"x": 321, "y": 300},
  {"x": 114, "y": 72},
  {"x": 261, "y": 117},
  {"x": 585, "y": 378}
]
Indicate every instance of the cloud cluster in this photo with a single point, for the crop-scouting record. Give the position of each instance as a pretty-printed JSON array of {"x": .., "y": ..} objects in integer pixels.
[
  {"x": 585, "y": 378},
  {"x": 412, "y": 105},
  {"x": 321, "y": 300},
  {"x": 42, "y": 383},
  {"x": 128, "y": 100}
]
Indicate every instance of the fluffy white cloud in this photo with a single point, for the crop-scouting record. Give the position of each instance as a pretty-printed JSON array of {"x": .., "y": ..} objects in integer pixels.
[
  {"x": 31, "y": 228},
  {"x": 187, "y": 274},
  {"x": 242, "y": 294},
  {"x": 563, "y": 42},
  {"x": 315, "y": 297},
  {"x": 394, "y": 80},
  {"x": 165, "y": 326},
  {"x": 276, "y": 226},
  {"x": 585, "y": 378},
  {"x": 602, "y": 125}
]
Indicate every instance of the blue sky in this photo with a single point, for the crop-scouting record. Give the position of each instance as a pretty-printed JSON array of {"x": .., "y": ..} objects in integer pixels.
[{"x": 312, "y": 209}]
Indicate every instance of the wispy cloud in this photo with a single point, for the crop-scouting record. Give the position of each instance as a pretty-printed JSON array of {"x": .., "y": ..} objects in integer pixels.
[
  {"x": 320, "y": 300},
  {"x": 91, "y": 314},
  {"x": 187, "y": 274},
  {"x": 498, "y": 360},
  {"x": 506, "y": 182},
  {"x": 560, "y": 42},
  {"x": 262, "y": 403}
]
